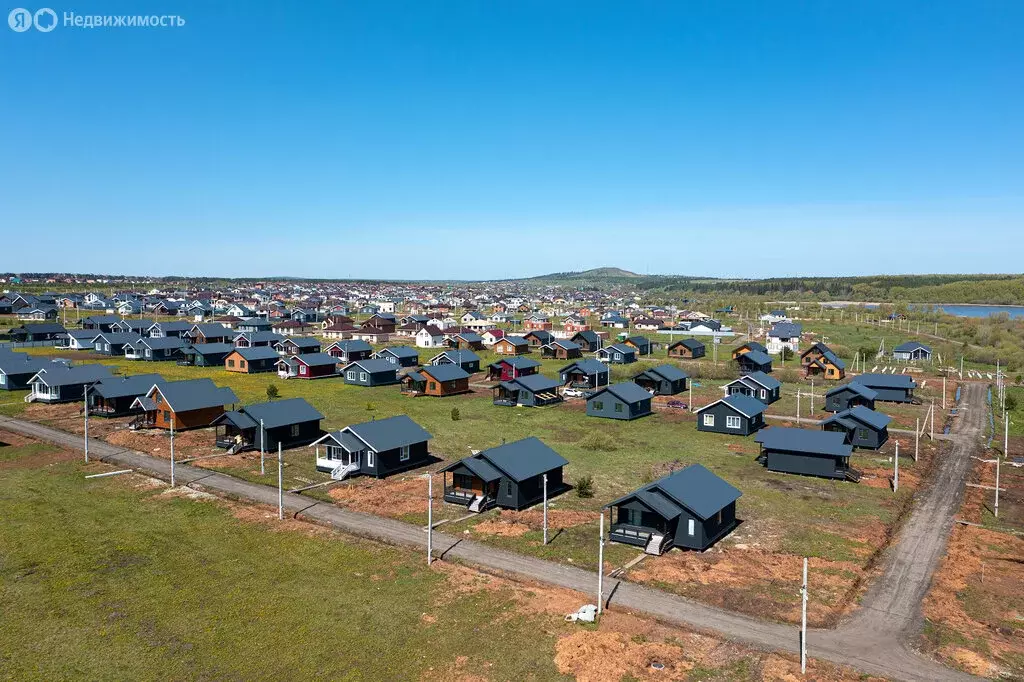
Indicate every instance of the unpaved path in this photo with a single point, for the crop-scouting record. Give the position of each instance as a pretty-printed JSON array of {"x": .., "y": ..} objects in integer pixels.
[{"x": 874, "y": 640}]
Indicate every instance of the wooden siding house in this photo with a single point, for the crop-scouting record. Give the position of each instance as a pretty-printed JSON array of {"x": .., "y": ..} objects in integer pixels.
[
  {"x": 662, "y": 380},
  {"x": 42, "y": 331},
  {"x": 257, "y": 339},
  {"x": 754, "y": 361},
  {"x": 57, "y": 382},
  {"x": 401, "y": 356},
  {"x": 747, "y": 347},
  {"x": 757, "y": 385},
  {"x": 299, "y": 345},
  {"x": 206, "y": 354},
  {"x": 188, "y": 404},
  {"x": 589, "y": 341},
  {"x": 164, "y": 348},
  {"x": 210, "y": 333},
  {"x": 511, "y": 345},
  {"x": 465, "y": 341},
  {"x": 466, "y": 359},
  {"x": 642, "y": 344},
  {"x": 862, "y": 427},
  {"x": 534, "y": 390},
  {"x": 892, "y": 388},
  {"x": 686, "y": 349},
  {"x": 290, "y": 423},
  {"x": 370, "y": 373},
  {"x": 510, "y": 476},
  {"x": 113, "y": 343},
  {"x": 588, "y": 373},
  {"x": 436, "y": 380},
  {"x": 538, "y": 338},
  {"x": 252, "y": 360},
  {"x": 307, "y": 366},
  {"x": 818, "y": 360},
  {"x": 739, "y": 415},
  {"x": 377, "y": 448},
  {"x": 117, "y": 396},
  {"x": 841, "y": 398},
  {"x": 619, "y": 401},
  {"x": 912, "y": 351},
  {"x": 17, "y": 370},
  {"x": 807, "y": 452},
  {"x": 350, "y": 350},
  {"x": 510, "y": 368},
  {"x": 561, "y": 350},
  {"x": 691, "y": 508}
]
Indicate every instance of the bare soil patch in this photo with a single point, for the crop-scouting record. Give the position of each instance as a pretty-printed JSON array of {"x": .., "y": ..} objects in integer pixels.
[{"x": 393, "y": 497}]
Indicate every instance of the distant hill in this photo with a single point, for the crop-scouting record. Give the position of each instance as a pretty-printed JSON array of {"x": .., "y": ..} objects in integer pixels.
[{"x": 592, "y": 274}]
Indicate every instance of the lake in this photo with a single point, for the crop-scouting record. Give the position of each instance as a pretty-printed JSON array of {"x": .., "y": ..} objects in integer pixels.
[{"x": 977, "y": 310}]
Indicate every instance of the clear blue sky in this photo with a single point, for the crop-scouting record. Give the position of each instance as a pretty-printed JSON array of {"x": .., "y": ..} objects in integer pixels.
[{"x": 503, "y": 138}]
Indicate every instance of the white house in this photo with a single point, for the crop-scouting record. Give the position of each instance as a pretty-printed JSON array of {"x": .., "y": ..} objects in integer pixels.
[
  {"x": 784, "y": 335},
  {"x": 775, "y": 316},
  {"x": 492, "y": 336},
  {"x": 429, "y": 337}
]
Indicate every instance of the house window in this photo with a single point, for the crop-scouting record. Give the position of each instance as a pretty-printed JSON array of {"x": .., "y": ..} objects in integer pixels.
[
  {"x": 691, "y": 527},
  {"x": 862, "y": 434},
  {"x": 433, "y": 386},
  {"x": 732, "y": 422},
  {"x": 403, "y": 454},
  {"x": 709, "y": 420},
  {"x": 370, "y": 458},
  {"x": 362, "y": 376},
  {"x": 295, "y": 430},
  {"x": 351, "y": 376},
  {"x": 508, "y": 487},
  {"x": 167, "y": 416},
  {"x": 618, "y": 407},
  {"x": 241, "y": 364},
  {"x": 231, "y": 363},
  {"x": 598, "y": 405},
  {"x": 618, "y": 356},
  {"x": 764, "y": 394}
]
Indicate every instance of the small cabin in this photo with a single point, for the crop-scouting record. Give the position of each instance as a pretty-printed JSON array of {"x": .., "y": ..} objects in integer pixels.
[
  {"x": 154, "y": 349},
  {"x": 298, "y": 345},
  {"x": 350, "y": 350},
  {"x": 402, "y": 356},
  {"x": 113, "y": 343},
  {"x": 912, "y": 351},
  {"x": 757, "y": 385},
  {"x": 307, "y": 366},
  {"x": 784, "y": 336},
  {"x": 257, "y": 340},
  {"x": 466, "y": 359},
  {"x": 892, "y": 388},
  {"x": 17, "y": 370},
  {"x": 587, "y": 373},
  {"x": 747, "y": 347},
  {"x": 561, "y": 350},
  {"x": 510, "y": 368},
  {"x": 754, "y": 361},
  {"x": 289, "y": 423},
  {"x": 588, "y": 341},
  {"x": 662, "y": 380},
  {"x": 210, "y": 333},
  {"x": 188, "y": 404},
  {"x": 436, "y": 380},
  {"x": 116, "y": 396},
  {"x": 738, "y": 415},
  {"x": 862, "y": 427},
  {"x": 848, "y": 395},
  {"x": 642, "y": 344},
  {"x": 370, "y": 373},
  {"x": 534, "y": 390},
  {"x": 819, "y": 361},
  {"x": 465, "y": 341},
  {"x": 511, "y": 345},
  {"x": 691, "y": 509},
  {"x": 617, "y": 354},
  {"x": 252, "y": 360},
  {"x": 807, "y": 452},
  {"x": 56, "y": 382},
  {"x": 206, "y": 354},
  {"x": 625, "y": 400},
  {"x": 510, "y": 476},
  {"x": 686, "y": 349},
  {"x": 538, "y": 338},
  {"x": 377, "y": 448}
]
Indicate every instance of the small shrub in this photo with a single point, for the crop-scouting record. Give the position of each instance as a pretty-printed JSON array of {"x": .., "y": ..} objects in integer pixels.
[
  {"x": 585, "y": 487},
  {"x": 456, "y": 415},
  {"x": 272, "y": 392},
  {"x": 1011, "y": 402},
  {"x": 371, "y": 406},
  {"x": 596, "y": 441}
]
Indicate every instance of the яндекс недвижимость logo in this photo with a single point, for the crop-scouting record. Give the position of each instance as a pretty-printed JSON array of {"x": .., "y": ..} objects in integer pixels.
[
  {"x": 21, "y": 20},
  {"x": 45, "y": 20}
]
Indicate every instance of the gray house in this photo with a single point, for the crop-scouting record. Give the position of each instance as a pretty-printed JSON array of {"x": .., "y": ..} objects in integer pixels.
[
  {"x": 297, "y": 345},
  {"x": 619, "y": 401},
  {"x": 162, "y": 329},
  {"x": 350, "y": 350},
  {"x": 617, "y": 354},
  {"x": 912, "y": 351},
  {"x": 206, "y": 354},
  {"x": 402, "y": 356},
  {"x": 60, "y": 383},
  {"x": 510, "y": 476},
  {"x": 690, "y": 508},
  {"x": 113, "y": 343},
  {"x": 662, "y": 380},
  {"x": 757, "y": 385},
  {"x": 370, "y": 373},
  {"x": 532, "y": 390},
  {"x": 892, "y": 388},
  {"x": 375, "y": 448},
  {"x": 288, "y": 423},
  {"x": 754, "y": 361},
  {"x": 863, "y": 428},
  {"x": 153, "y": 349},
  {"x": 587, "y": 373},
  {"x": 588, "y": 341},
  {"x": 840, "y": 398},
  {"x": 17, "y": 370},
  {"x": 115, "y": 396},
  {"x": 734, "y": 414},
  {"x": 807, "y": 452},
  {"x": 466, "y": 359}
]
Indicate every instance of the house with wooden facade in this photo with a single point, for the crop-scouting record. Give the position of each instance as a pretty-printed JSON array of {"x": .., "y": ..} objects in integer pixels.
[
  {"x": 400, "y": 356},
  {"x": 538, "y": 338},
  {"x": 588, "y": 341},
  {"x": 134, "y": 327},
  {"x": 537, "y": 323},
  {"x": 210, "y": 333},
  {"x": 754, "y": 361},
  {"x": 912, "y": 351},
  {"x": 560, "y": 349},
  {"x": 206, "y": 354},
  {"x": 492, "y": 336},
  {"x": 662, "y": 380},
  {"x": 436, "y": 380},
  {"x": 819, "y": 361},
  {"x": 466, "y": 359},
  {"x": 625, "y": 400},
  {"x": 350, "y": 350},
  {"x": 370, "y": 372},
  {"x": 686, "y": 349},
  {"x": 164, "y": 348},
  {"x": 377, "y": 448},
  {"x": 510, "y": 476},
  {"x": 101, "y": 323},
  {"x": 116, "y": 396},
  {"x": 290, "y": 423},
  {"x": 739, "y": 415},
  {"x": 252, "y": 360},
  {"x": 692, "y": 508},
  {"x": 77, "y": 339},
  {"x": 188, "y": 404},
  {"x": 747, "y": 347},
  {"x": 429, "y": 337},
  {"x": 807, "y": 452},
  {"x": 617, "y": 354},
  {"x": 642, "y": 344},
  {"x": 176, "y": 328},
  {"x": 841, "y": 398},
  {"x": 587, "y": 373},
  {"x": 512, "y": 367},
  {"x": 297, "y": 345},
  {"x": 533, "y": 390},
  {"x": 757, "y": 385},
  {"x": 511, "y": 345},
  {"x": 465, "y": 341},
  {"x": 57, "y": 382},
  {"x": 891, "y": 388},
  {"x": 307, "y": 366},
  {"x": 863, "y": 428}
]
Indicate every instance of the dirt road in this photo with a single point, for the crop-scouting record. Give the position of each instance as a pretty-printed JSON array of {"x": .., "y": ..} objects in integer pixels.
[{"x": 874, "y": 640}]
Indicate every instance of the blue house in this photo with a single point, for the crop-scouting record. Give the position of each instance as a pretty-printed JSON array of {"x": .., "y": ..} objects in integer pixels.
[
  {"x": 617, "y": 354},
  {"x": 893, "y": 388},
  {"x": 863, "y": 428},
  {"x": 532, "y": 390},
  {"x": 403, "y": 356},
  {"x": 840, "y": 398},
  {"x": 662, "y": 380},
  {"x": 807, "y": 452},
  {"x": 734, "y": 414},
  {"x": 511, "y": 476},
  {"x": 754, "y": 361},
  {"x": 757, "y": 385},
  {"x": 912, "y": 351},
  {"x": 619, "y": 401},
  {"x": 375, "y": 448},
  {"x": 587, "y": 373},
  {"x": 370, "y": 372}
]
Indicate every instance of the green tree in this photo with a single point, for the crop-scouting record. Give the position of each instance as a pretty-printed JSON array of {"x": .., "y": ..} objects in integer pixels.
[{"x": 272, "y": 392}]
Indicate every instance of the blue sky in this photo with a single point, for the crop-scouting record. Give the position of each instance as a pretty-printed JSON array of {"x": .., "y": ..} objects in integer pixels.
[{"x": 512, "y": 138}]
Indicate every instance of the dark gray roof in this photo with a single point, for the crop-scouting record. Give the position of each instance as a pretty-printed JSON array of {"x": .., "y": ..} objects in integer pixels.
[
  {"x": 212, "y": 348},
  {"x": 399, "y": 351},
  {"x": 175, "y": 326},
  {"x": 472, "y": 337},
  {"x": 124, "y": 386},
  {"x": 373, "y": 366},
  {"x": 692, "y": 344},
  {"x": 618, "y": 348},
  {"x": 350, "y": 345},
  {"x": 160, "y": 343},
  {"x": 106, "y": 319},
  {"x": 517, "y": 340},
  {"x": 626, "y": 391},
  {"x": 667, "y": 372},
  {"x": 876, "y": 420},
  {"x": 43, "y": 328},
  {"x": 884, "y": 381},
  {"x": 759, "y": 378},
  {"x": 260, "y": 337},
  {"x": 695, "y": 488},
  {"x": 479, "y": 467},
  {"x": 786, "y": 330},
  {"x": 390, "y": 433},
  {"x": 743, "y": 404},
  {"x": 590, "y": 336},
  {"x": 300, "y": 342},
  {"x": 195, "y": 394},
  {"x": 523, "y": 459},
  {"x": 19, "y": 363},
  {"x": 450, "y": 372},
  {"x": 567, "y": 345},
  {"x": 118, "y": 337},
  {"x": 282, "y": 412},
  {"x": 911, "y": 346},
  {"x": 517, "y": 361},
  {"x": 456, "y": 356},
  {"x": 239, "y": 419},
  {"x": 258, "y": 353},
  {"x": 588, "y": 366},
  {"x": 532, "y": 382},
  {"x": 859, "y": 389},
  {"x": 213, "y": 329},
  {"x": 804, "y": 441},
  {"x": 56, "y": 374}
]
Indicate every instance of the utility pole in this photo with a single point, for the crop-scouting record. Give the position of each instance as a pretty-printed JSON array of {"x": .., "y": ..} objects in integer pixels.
[
  {"x": 172, "y": 452},
  {"x": 430, "y": 519},
  {"x": 280, "y": 483},
  {"x": 896, "y": 469},
  {"x": 600, "y": 567},
  {"x": 932, "y": 411},
  {"x": 811, "y": 411},
  {"x": 263, "y": 447},
  {"x": 999, "y": 459},
  {"x": 545, "y": 509},
  {"x": 798, "y": 405},
  {"x": 943, "y": 392},
  {"x": 961, "y": 367},
  {"x": 803, "y": 622},
  {"x": 917, "y": 437},
  {"x": 86, "y": 398}
]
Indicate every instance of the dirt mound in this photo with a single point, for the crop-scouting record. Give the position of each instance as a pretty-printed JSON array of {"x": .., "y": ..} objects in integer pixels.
[
  {"x": 387, "y": 497},
  {"x": 599, "y": 656}
]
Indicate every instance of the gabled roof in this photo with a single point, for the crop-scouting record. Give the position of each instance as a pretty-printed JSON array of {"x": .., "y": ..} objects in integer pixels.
[
  {"x": 626, "y": 391},
  {"x": 211, "y": 329},
  {"x": 160, "y": 343},
  {"x": 470, "y": 337},
  {"x": 532, "y": 382},
  {"x": 448, "y": 372},
  {"x": 118, "y": 337},
  {"x": 786, "y": 330},
  {"x": 753, "y": 345},
  {"x": 744, "y": 404},
  {"x": 695, "y": 488},
  {"x": 372, "y": 365},
  {"x": 617, "y": 348},
  {"x": 563, "y": 344},
  {"x": 522, "y": 459},
  {"x": 351, "y": 345},
  {"x": 587, "y": 366},
  {"x": 859, "y": 413},
  {"x": 399, "y": 352},
  {"x": 211, "y": 348},
  {"x": 519, "y": 362},
  {"x": 760, "y": 378},
  {"x": 542, "y": 334},
  {"x": 692, "y": 344},
  {"x": 260, "y": 336},
  {"x": 236, "y": 417},
  {"x": 256, "y": 353},
  {"x": 757, "y": 357},
  {"x": 590, "y": 336},
  {"x": 456, "y": 356},
  {"x": 57, "y": 374},
  {"x": 282, "y": 412},
  {"x": 390, "y": 433},
  {"x": 859, "y": 389},
  {"x": 666, "y": 372},
  {"x": 124, "y": 386},
  {"x": 517, "y": 340},
  {"x": 194, "y": 394},
  {"x": 910, "y": 346},
  {"x": 19, "y": 363},
  {"x": 315, "y": 359},
  {"x": 885, "y": 381},
  {"x": 804, "y": 441},
  {"x": 300, "y": 342}
]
